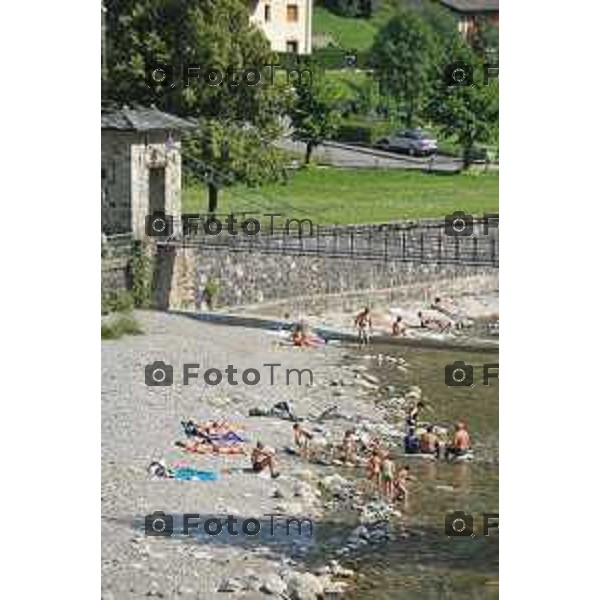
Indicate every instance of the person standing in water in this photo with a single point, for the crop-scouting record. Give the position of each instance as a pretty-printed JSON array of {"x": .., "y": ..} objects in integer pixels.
[{"x": 364, "y": 325}]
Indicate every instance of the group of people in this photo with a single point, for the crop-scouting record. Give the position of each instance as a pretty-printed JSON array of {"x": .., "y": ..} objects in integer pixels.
[
  {"x": 429, "y": 442},
  {"x": 439, "y": 317}
]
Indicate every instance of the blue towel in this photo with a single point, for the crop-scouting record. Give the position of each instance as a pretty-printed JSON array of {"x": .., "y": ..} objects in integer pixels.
[{"x": 189, "y": 473}]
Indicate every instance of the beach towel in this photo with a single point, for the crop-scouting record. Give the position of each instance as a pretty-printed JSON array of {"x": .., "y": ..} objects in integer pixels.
[{"x": 191, "y": 474}]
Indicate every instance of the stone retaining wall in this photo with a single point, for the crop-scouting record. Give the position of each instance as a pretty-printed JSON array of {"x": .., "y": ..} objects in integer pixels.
[{"x": 265, "y": 278}]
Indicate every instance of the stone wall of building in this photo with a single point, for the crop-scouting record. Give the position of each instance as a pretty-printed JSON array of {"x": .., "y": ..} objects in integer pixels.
[
  {"x": 127, "y": 158},
  {"x": 155, "y": 150}
]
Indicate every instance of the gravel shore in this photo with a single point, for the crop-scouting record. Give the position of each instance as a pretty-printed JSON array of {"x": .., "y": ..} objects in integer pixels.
[{"x": 141, "y": 424}]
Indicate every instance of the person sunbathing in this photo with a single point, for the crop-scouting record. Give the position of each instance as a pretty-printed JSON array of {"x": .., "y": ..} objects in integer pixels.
[
  {"x": 461, "y": 442},
  {"x": 262, "y": 458},
  {"x": 300, "y": 336},
  {"x": 429, "y": 442},
  {"x": 434, "y": 323},
  {"x": 398, "y": 327},
  {"x": 302, "y": 439}
]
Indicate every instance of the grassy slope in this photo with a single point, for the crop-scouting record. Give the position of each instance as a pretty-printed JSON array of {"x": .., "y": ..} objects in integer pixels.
[
  {"x": 347, "y": 33},
  {"x": 330, "y": 195}
]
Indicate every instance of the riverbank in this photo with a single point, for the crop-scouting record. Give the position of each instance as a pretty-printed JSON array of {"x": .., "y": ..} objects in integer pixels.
[{"x": 141, "y": 424}]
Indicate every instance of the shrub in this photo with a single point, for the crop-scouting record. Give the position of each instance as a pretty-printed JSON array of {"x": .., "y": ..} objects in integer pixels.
[
  {"x": 114, "y": 301},
  {"x": 123, "y": 325},
  {"x": 363, "y": 131}
]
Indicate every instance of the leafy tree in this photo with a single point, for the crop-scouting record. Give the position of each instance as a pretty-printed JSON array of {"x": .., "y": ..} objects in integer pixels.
[
  {"x": 215, "y": 35},
  {"x": 468, "y": 113},
  {"x": 315, "y": 113},
  {"x": 405, "y": 55},
  {"x": 221, "y": 154}
]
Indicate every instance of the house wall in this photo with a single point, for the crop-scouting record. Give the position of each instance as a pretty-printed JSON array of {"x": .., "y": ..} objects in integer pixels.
[{"x": 278, "y": 29}]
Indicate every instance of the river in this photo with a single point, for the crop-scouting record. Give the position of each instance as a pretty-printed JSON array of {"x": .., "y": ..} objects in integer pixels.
[{"x": 428, "y": 564}]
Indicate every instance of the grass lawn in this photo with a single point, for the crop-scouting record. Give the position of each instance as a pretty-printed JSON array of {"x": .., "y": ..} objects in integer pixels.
[
  {"x": 331, "y": 195},
  {"x": 346, "y": 33}
]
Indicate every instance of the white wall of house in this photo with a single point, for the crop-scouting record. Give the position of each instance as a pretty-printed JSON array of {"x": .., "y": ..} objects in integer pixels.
[{"x": 286, "y": 23}]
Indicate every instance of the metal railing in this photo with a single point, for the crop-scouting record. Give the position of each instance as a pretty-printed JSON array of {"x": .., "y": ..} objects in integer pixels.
[{"x": 393, "y": 242}]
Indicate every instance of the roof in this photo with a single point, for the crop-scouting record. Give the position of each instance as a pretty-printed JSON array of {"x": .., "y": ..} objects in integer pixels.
[
  {"x": 472, "y": 5},
  {"x": 142, "y": 119}
]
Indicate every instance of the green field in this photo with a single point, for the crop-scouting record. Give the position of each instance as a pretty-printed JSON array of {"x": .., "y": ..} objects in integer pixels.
[
  {"x": 346, "y": 33},
  {"x": 340, "y": 196}
]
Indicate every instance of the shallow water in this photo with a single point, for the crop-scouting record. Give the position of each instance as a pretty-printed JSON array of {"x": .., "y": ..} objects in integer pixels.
[{"x": 429, "y": 564}]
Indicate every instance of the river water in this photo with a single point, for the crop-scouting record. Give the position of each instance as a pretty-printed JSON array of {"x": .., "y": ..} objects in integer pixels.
[{"x": 427, "y": 564}]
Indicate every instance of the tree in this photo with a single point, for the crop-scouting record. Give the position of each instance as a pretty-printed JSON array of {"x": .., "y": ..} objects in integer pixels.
[
  {"x": 214, "y": 35},
  {"x": 221, "y": 154},
  {"x": 405, "y": 55},
  {"x": 468, "y": 113},
  {"x": 315, "y": 112}
]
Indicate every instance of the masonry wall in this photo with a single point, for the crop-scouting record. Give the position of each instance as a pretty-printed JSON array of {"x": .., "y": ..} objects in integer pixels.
[
  {"x": 260, "y": 278},
  {"x": 152, "y": 150}
]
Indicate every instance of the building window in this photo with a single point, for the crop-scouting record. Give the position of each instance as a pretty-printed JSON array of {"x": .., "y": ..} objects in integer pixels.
[
  {"x": 292, "y": 13},
  {"x": 291, "y": 47},
  {"x": 267, "y": 13}
]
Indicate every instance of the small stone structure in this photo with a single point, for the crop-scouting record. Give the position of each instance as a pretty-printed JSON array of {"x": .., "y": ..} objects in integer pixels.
[{"x": 141, "y": 168}]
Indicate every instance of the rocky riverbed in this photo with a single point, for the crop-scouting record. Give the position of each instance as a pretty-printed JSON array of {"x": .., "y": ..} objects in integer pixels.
[{"x": 141, "y": 423}]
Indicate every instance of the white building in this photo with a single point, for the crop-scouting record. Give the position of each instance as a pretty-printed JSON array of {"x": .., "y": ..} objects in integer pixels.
[{"x": 286, "y": 23}]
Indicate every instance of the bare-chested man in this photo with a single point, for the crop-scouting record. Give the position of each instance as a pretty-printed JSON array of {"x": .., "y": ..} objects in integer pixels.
[
  {"x": 364, "y": 325},
  {"x": 461, "y": 442}
]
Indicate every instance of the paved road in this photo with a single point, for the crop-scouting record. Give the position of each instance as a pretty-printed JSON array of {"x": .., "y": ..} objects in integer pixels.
[{"x": 344, "y": 155}]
